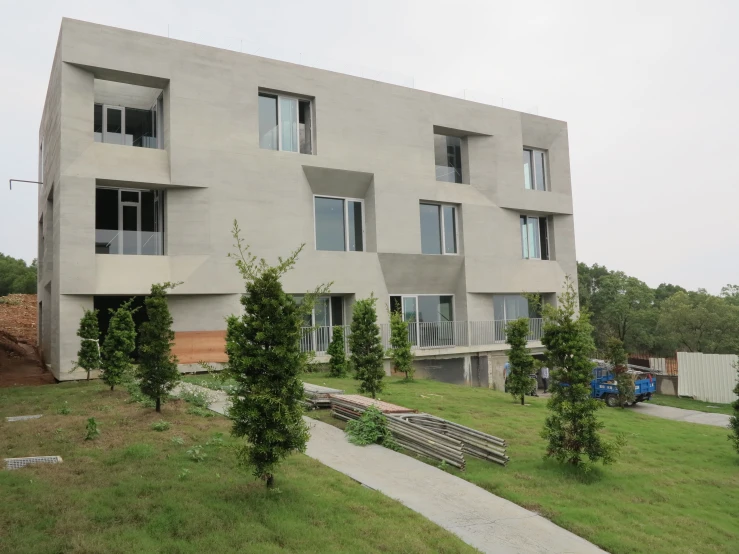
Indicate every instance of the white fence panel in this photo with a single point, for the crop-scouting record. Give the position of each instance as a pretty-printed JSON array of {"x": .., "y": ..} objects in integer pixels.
[
  {"x": 658, "y": 364},
  {"x": 707, "y": 377}
]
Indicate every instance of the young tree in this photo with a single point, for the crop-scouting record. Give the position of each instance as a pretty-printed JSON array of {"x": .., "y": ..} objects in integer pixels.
[
  {"x": 400, "y": 351},
  {"x": 366, "y": 347},
  {"x": 571, "y": 428},
  {"x": 119, "y": 343},
  {"x": 265, "y": 360},
  {"x": 157, "y": 371},
  {"x": 88, "y": 356},
  {"x": 734, "y": 420},
  {"x": 616, "y": 355},
  {"x": 521, "y": 361},
  {"x": 337, "y": 351}
]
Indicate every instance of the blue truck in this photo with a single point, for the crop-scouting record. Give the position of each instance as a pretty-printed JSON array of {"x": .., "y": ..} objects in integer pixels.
[{"x": 603, "y": 386}]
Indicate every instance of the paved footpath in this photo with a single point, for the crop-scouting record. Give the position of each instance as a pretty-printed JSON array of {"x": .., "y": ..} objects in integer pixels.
[
  {"x": 680, "y": 414},
  {"x": 481, "y": 519}
]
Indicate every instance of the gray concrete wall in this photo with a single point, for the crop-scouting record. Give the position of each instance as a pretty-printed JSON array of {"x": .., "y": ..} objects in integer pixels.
[
  {"x": 372, "y": 139},
  {"x": 667, "y": 385}
]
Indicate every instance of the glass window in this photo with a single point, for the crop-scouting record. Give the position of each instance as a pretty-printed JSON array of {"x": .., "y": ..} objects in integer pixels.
[
  {"x": 535, "y": 237},
  {"x": 339, "y": 224},
  {"x": 285, "y": 123},
  {"x": 98, "y": 122},
  {"x": 267, "y": 122},
  {"x": 330, "y": 224},
  {"x": 430, "y": 229},
  {"x": 141, "y": 128},
  {"x": 438, "y": 229},
  {"x": 129, "y": 222},
  {"x": 534, "y": 169},
  {"x": 448, "y": 156},
  {"x": 288, "y": 124},
  {"x": 510, "y": 306}
]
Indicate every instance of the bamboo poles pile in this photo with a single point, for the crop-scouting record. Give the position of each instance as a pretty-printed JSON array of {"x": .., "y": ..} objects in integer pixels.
[
  {"x": 317, "y": 396},
  {"x": 412, "y": 437},
  {"x": 475, "y": 443}
]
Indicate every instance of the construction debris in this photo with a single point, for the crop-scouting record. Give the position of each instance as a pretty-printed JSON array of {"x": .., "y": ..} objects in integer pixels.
[
  {"x": 424, "y": 434},
  {"x": 317, "y": 396},
  {"x": 17, "y": 463},
  {"x": 23, "y": 417}
]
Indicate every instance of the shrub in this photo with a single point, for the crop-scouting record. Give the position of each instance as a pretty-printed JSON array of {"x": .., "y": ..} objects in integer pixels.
[
  {"x": 198, "y": 411},
  {"x": 366, "y": 347},
  {"x": 119, "y": 343},
  {"x": 91, "y": 430},
  {"x": 400, "y": 351},
  {"x": 572, "y": 428},
  {"x": 371, "y": 428},
  {"x": 196, "y": 453},
  {"x": 160, "y": 425},
  {"x": 157, "y": 370},
  {"x": 734, "y": 420},
  {"x": 337, "y": 351},
  {"x": 179, "y": 441},
  {"x": 88, "y": 356},
  {"x": 64, "y": 409},
  {"x": 521, "y": 361}
]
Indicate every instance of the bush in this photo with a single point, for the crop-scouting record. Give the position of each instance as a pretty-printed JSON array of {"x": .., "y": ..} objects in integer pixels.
[
  {"x": 88, "y": 356},
  {"x": 734, "y": 420},
  {"x": 337, "y": 351},
  {"x": 366, "y": 347},
  {"x": 119, "y": 343},
  {"x": 521, "y": 361},
  {"x": 91, "y": 429},
  {"x": 371, "y": 428},
  {"x": 160, "y": 425},
  {"x": 400, "y": 351}
]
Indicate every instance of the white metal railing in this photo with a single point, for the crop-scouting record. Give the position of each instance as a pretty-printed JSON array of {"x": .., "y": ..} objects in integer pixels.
[{"x": 433, "y": 334}]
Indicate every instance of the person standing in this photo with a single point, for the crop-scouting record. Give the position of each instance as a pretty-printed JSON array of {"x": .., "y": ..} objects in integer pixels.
[
  {"x": 507, "y": 368},
  {"x": 545, "y": 377}
]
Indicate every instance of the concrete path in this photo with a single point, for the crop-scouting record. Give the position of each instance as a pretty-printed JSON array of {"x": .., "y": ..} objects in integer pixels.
[
  {"x": 680, "y": 414},
  {"x": 479, "y": 518}
]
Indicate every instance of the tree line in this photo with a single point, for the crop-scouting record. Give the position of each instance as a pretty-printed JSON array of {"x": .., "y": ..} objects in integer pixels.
[
  {"x": 661, "y": 320},
  {"x": 16, "y": 277}
]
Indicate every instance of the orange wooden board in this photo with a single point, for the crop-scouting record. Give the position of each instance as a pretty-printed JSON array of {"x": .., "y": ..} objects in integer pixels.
[{"x": 192, "y": 347}]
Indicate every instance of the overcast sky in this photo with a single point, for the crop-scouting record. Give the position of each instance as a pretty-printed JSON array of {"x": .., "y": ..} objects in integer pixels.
[{"x": 649, "y": 89}]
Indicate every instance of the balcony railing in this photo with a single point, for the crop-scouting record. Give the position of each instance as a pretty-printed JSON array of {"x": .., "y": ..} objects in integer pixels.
[{"x": 427, "y": 335}]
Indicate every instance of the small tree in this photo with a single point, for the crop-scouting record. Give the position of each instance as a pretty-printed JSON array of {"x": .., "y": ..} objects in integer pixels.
[
  {"x": 616, "y": 355},
  {"x": 265, "y": 361},
  {"x": 119, "y": 343},
  {"x": 522, "y": 363},
  {"x": 337, "y": 351},
  {"x": 400, "y": 351},
  {"x": 157, "y": 371},
  {"x": 366, "y": 347},
  {"x": 734, "y": 420},
  {"x": 88, "y": 356},
  {"x": 572, "y": 428}
]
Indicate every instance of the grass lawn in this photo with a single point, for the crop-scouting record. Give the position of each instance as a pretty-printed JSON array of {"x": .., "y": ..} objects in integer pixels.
[
  {"x": 674, "y": 489},
  {"x": 690, "y": 404},
  {"x": 134, "y": 489}
]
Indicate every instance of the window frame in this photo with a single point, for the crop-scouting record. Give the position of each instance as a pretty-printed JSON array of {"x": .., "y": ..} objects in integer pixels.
[
  {"x": 525, "y": 238},
  {"x": 532, "y": 151},
  {"x": 298, "y": 99},
  {"x": 416, "y": 296},
  {"x": 159, "y": 202},
  {"x": 462, "y": 146},
  {"x": 441, "y": 206},
  {"x": 346, "y": 200}
]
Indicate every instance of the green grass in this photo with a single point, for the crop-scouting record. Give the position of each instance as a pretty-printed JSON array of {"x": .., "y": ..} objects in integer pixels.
[
  {"x": 674, "y": 489},
  {"x": 690, "y": 404},
  {"x": 134, "y": 489}
]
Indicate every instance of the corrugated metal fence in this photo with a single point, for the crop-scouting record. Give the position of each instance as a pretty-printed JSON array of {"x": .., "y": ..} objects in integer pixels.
[{"x": 707, "y": 377}]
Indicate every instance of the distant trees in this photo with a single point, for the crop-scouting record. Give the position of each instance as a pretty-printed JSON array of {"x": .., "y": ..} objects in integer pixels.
[
  {"x": 572, "y": 428},
  {"x": 157, "y": 369},
  {"x": 400, "y": 352},
  {"x": 337, "y": 352},
  {"x": 16, "y": 277},
  {"x": 616, "y": 355},
  {"x": 119, "y": 344},
  {"x": 521, "y": 361},
  {"x": 734, "y": 420},
  {"x": 366, "y": 347},
  {"x": 88, "y": 356}
]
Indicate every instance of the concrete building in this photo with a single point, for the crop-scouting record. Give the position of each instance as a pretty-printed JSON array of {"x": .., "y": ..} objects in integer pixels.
[{"x": 150, "y": 148}]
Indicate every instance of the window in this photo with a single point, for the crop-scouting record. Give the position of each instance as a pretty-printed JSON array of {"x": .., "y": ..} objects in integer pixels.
[
  {"x": 534, "y": 169},
  {"x": 129, "y": 221},
  {"x": 339, "y": 224},
  {"x": 508, "y": 307},
  {"x": 535, "y": 237},
  {"x": 448, "y": 155},
  {"x": 128, "y": 126},
  {"x": 285, "y": 123},
  {"x": 430, "y": 318},
  {"x": 328, "y": 311},
  {"x": 438, "y": 229}
]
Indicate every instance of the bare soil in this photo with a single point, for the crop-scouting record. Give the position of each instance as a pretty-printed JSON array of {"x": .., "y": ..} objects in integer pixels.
[{"x": 20, "y": 359}]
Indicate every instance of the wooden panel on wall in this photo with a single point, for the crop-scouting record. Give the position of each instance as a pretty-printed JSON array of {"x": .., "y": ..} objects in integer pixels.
[{"x": 192, "y": 347}]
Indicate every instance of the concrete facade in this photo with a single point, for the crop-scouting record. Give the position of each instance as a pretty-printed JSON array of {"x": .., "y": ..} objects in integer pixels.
[{"x": 371, "y": 140}]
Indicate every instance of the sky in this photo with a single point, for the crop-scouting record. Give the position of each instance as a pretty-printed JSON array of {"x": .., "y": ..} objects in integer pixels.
[{"x": 649, "y": 90}]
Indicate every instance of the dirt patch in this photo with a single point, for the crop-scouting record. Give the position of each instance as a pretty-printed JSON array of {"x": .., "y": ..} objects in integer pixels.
[{"x": 20, "y": 360}]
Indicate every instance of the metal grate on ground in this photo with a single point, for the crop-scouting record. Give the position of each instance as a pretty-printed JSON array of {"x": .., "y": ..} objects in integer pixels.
[
  {"x": 23, "y": 417},
  {"x": 17, "y": 463}
]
